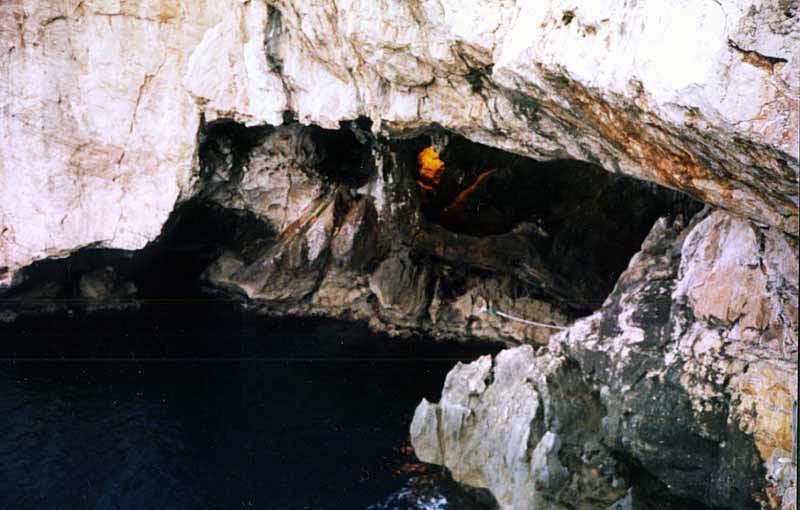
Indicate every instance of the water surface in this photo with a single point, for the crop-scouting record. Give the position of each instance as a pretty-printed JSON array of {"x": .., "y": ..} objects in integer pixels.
[{"x": 202, "y": 405}]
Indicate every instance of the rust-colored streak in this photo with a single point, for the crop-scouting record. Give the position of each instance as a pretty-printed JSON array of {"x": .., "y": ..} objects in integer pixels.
[
  {"x": 426, "y": 187},
  {"x": 168, "y": 11},
  {"x": 756, "y": 59},
  {"x": 684, "y": 158},
  {"x": 671, "y": 166},
  {"x": 457, "y": 205}
]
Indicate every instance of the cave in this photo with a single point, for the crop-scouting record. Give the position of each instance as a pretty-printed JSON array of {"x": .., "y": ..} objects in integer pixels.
[
  {"x": 562, "y": 230},
  {"x": 365, "y": 238},
  {"x": 398, "y": 256},
  {"x": 579, "y": 223}
]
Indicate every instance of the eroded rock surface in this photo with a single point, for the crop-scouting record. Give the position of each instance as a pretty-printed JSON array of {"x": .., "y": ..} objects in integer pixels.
[
  {"x": 102, "y": 100},
  {"x": 366, "y": 253},
  {"x": 665, "y": 392},
  {"x": 364, "y": 248},
  {"x": 110, "y": 115}
]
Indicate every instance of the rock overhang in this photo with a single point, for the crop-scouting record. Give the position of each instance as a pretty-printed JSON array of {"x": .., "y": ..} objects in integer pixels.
[{"x": 711, "y": 111}]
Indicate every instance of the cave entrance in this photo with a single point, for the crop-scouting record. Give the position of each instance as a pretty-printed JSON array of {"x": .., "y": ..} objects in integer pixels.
[
  {"x": 413, "y": 234},
  {"x": 585, "y": 222},
  {"x": 473, "y": 216}
]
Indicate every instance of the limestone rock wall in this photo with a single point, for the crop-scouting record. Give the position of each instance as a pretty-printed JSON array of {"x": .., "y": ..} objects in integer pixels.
[
  {"x": 100, "y": 100},
  {"x": 97, "y": 136},
  {"x": 700, "y": 96},
  {"x": 671, "y": 390}
]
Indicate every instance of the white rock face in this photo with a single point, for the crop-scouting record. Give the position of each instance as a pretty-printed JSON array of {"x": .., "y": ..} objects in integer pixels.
[
  {"x": 97, "y": 136},
  {"x": 680, "y": 94},
  {"x": 100, "y": 100},
  {"x": 234, "y": 51}
]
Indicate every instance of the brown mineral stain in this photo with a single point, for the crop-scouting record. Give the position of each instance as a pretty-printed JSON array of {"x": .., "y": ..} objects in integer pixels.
[
  {"x": 457, "y": 205},
  {"x": 669, "y": 165},
  {"x": 168, "y": 11},
  {"x": 756, "y": 59},
  {"x": 657, "y": 151},
  {"x": 770, "y": 402}
]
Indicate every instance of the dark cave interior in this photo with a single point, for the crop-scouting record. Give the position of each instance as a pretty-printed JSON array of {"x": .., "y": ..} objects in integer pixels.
[{"x": 584, "y": 222}]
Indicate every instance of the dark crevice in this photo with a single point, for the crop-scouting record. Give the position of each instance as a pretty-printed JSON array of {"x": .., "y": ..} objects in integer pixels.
[
  {"x": 344, "y": 157},
  {"x": 584, "y": 222},
  {"x": 225, "y": 143},
  {"x": 757, "y": 59},
  {"x": 564, "y": 230},
  {"x": 341, "y": 155},
  {"x": 168, "y": 268},
  {"x": 649, "y": 492}
]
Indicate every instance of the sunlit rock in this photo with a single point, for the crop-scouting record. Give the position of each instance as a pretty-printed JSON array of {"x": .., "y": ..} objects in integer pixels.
[
  {"x": 697, "y": 400},
  {"x": 699, "y": 97}
]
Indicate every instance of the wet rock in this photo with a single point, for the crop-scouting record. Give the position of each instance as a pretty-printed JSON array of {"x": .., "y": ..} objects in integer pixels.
[{"x": 526, "y": 428}]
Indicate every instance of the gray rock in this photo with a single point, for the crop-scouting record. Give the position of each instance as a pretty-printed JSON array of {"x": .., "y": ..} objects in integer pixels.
[
  {"x": 402, "y": 288},
  {"x": 638, "y": 395},
  {"x": 425, "y": 431},
  {"x": 8, "y": 316}
]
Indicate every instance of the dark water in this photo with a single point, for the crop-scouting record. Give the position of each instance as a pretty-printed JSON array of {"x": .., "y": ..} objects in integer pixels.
[{"x": 179, "y": 406}]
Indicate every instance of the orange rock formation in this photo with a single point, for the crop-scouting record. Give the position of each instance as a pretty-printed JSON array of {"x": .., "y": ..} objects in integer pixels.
[{"x": 431, "y": 169}]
